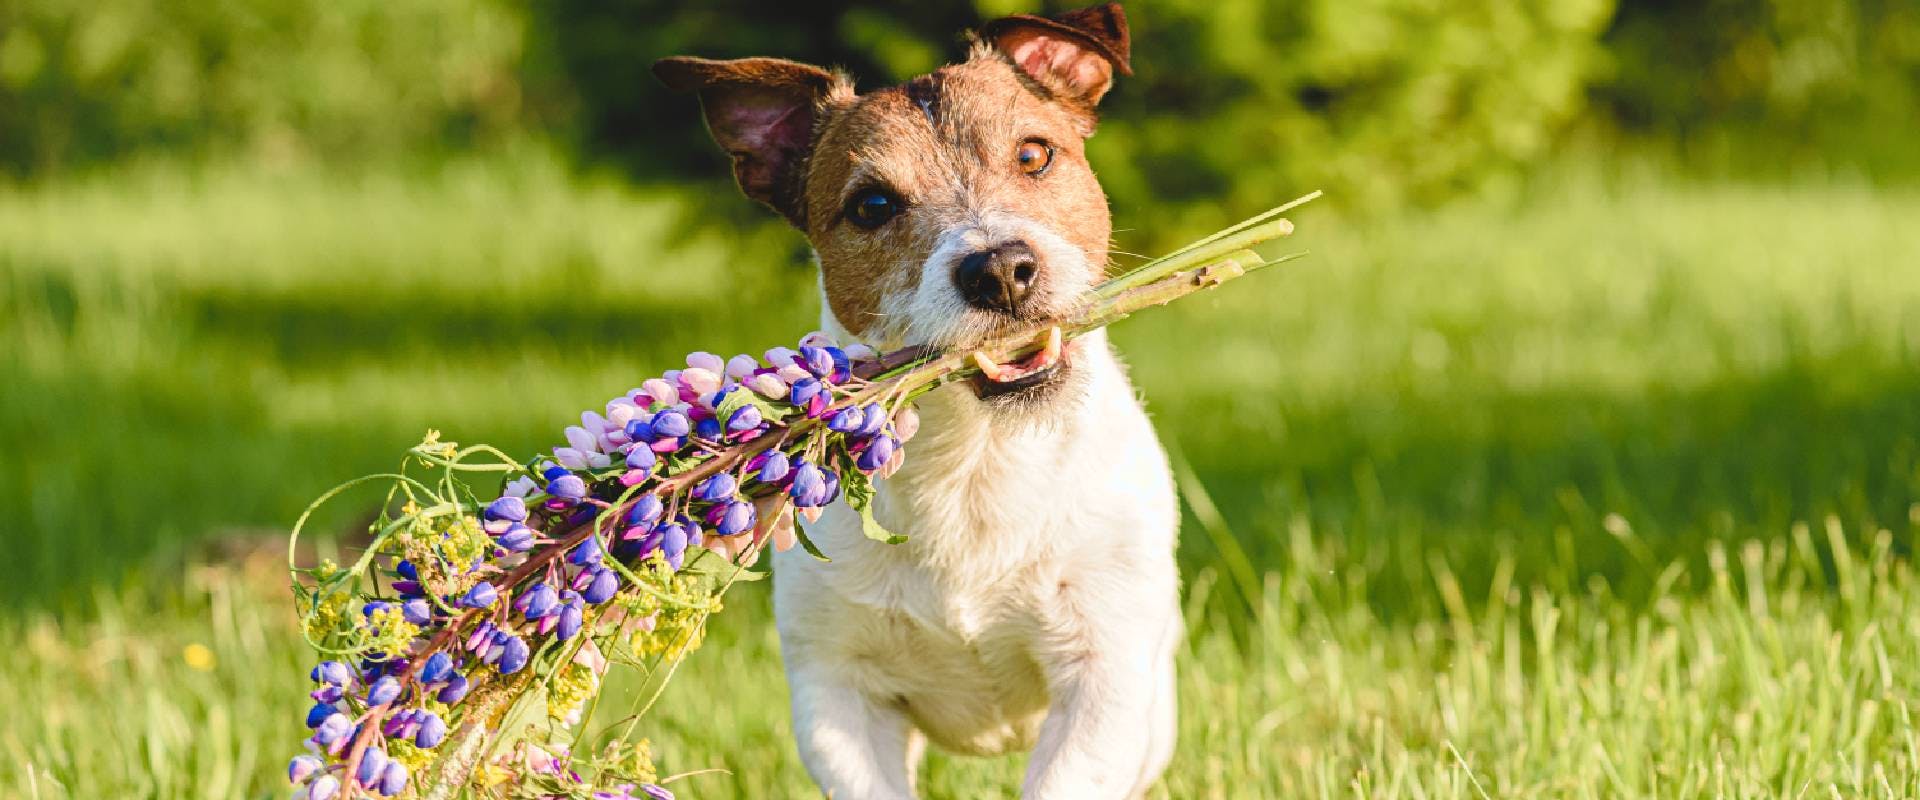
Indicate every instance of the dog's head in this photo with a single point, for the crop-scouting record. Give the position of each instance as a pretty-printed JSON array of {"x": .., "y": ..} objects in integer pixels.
[{"x": 946, "y": 209}]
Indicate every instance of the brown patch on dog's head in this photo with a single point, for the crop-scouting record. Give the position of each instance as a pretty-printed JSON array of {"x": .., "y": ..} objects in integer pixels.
[{"x": 947, "y": 207}]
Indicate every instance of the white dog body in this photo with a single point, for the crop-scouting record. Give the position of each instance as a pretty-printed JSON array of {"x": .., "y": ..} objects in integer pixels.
[{"x": 1033, "y": 604}]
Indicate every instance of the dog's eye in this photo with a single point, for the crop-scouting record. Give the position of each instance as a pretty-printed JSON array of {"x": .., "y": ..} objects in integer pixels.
[
  {"x": 872, "y": 208},
  {"x": 1034, "y": 157}
]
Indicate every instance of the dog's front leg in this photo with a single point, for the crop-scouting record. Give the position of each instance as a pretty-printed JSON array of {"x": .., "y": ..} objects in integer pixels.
[
  {"x": 854, "y": 747},
  {"x": 1109, "y": 670}
]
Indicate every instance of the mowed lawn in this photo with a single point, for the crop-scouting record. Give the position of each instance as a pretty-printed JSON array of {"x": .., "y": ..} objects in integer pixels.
[{"x": 1608, "y": 491}]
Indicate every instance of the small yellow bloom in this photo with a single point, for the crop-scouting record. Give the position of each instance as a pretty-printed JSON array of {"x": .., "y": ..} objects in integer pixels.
[{"x": 198, "y": 656}]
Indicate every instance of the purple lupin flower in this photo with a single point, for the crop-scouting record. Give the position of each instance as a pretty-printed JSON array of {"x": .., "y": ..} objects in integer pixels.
[
  {"x": 518, "y": 539},
  {"x": 721, "y": 486},
  {"x": 514, "y": 656},
  {"x": 735, "y": 517},
  {"x": 432, "y": 730},
  {"x": 601, "y": 589},
  {"x": 847, "y": 420},
  {"x": 568, "y": 487},
  {"x": 744, "y": 418},
  {"x": 804, "y": 390},
  {"x": 417, "y": 611},
  {"x": 809, "y": 487},
  {"x": 508, "y": 508},
  {"x": 323, "y": 788},
  {"x": 383, "y": 691},
  {"x": 393, "y": 780},
  {"x": 587, "y": 553},
  {"x": 878, "y": 451},
  {"x": 319, "y": 713},
  {"x": 538, "y": 601},
  {"x": 572, "y": 616},
  {"x": 774, "y": 467},
  {"x": 481, "y": 595},
  {"x": 641, "y": 457},
  {"x": 303, "y": 767},
  {"x": 646, "y": 509},
  {"x": 438, "y": 667},
  {"x": 455, "y": 689},
  {"x": 332, "y": 729},
  {"x": 671, "y": 424},
  {"x": 373, "y": 761}
]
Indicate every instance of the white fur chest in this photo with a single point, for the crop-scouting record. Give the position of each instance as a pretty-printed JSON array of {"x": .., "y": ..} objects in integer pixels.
[{"x": 999, "y": 515}]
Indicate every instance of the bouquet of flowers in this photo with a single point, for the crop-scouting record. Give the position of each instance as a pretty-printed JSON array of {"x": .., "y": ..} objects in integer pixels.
[{"x": 465, "y": 646}]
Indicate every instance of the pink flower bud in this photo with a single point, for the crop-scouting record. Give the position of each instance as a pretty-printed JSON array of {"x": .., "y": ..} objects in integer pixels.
[
  {"x": 662, "y": 392},
  {"x": 740, "y": 367},
  {"x": 701, "y": 380},
  {"x": 768, "y": 385},
  {"x": 701, "y": 359}
]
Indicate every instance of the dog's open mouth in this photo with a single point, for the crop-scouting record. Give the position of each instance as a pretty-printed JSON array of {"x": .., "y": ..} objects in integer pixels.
[{"x": 1040, "y": 369}]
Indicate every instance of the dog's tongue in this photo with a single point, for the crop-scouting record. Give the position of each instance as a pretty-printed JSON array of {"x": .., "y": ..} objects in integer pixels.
[{"x": 1014, "y": 370}]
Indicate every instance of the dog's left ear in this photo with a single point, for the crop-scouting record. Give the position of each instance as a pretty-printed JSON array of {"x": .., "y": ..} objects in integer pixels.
[
  {"x": 1073, "y": 54},
  {"x": 762, "y": 112}
]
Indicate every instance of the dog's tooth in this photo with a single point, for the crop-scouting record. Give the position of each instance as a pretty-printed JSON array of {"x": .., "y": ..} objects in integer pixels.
[
  {"x": 1051, "y": 351},
  {"x": 987, "y": 366}
]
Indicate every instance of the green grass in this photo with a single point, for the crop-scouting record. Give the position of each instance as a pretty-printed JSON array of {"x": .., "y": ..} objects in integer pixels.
[{"x": 1606, "y": 492}]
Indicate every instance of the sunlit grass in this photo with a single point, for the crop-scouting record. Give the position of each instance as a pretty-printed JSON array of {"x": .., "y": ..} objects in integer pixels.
[{"x": 1507, "y": 493}]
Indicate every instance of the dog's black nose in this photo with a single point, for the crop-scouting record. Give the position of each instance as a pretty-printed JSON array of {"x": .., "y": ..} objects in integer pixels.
[{"x": 1000, "y": 278}]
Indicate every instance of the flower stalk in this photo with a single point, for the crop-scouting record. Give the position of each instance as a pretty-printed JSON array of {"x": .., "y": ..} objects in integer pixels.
[{"x": 467, "y": 610}]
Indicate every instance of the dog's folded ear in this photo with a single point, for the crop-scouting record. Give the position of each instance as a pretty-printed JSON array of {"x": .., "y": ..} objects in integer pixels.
[
  {"x": 1073, "y": 54},
  {"x": 761, "y": 111}
]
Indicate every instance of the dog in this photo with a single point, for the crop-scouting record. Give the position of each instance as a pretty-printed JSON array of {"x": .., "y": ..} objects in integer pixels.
[{"x": 1034, "y": 603}]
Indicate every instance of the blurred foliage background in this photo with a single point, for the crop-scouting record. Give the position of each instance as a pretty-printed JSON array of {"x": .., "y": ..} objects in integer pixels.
[
  {"x": 1600, "y": 290},
  {"x": 1382, "y": 102}
]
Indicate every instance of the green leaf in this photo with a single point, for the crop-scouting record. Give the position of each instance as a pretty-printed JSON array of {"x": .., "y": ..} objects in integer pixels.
[
  {"x": 743, "y": 397},
  {"x": 874, "y": 530},
  {"x": 800, "y": 532}
]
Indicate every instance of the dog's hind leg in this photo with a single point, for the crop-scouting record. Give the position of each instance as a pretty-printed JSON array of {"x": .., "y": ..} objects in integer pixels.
[{"x": 854, "y": 747}]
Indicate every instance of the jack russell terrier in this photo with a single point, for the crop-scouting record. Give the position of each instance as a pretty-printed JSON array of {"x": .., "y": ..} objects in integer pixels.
[{"x": 1035, "y": 602}]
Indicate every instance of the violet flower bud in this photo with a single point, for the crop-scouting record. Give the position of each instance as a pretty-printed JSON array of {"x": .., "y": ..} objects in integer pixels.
[
  {"x": 721, "y": 486},
  {"x": 775, "y": 467},
  {"x": 393, "y": 780},
  {"x": 372, "y": 762},
  {"x": 455, "y": 689},
  {"x": 671, "y": 424},
  {"x": 438, "y": 667},
  {"x": 587, "y": 553},
  {"x": 708, "y": 429},
  {"x": 673, "y": 540},
  {"x": 803, "y": 390},
  {"x": 509, "y": 508},
  {"x": 568, "y": 487},
  {"x": 515, "y": 656},
  {"x": 517, "y": 539},
  {"x": 319, "y": 713},
  {"x": 572, "y": 616},
  {"x": 417, "y": 611},
  {"x": 332, "y": 729},
  {"x": 701, "y": 359},
  {"x": 847, "y": 420},
  {"x": 383, "y": 691},
  {"x": 324, "y": 787},
  {"x": 303, "y": 767},
  {"x": 878, "y": 451},
  {"x": 538, "y": 601},
  {"x": 433, "y": 729},
  {"x": 817, "y": 361},
  {"x": 738, "y": 517},
  {"x": 645, "y": 511},
  {"x": 481, "y": 595},
  {"x": 745, "y": 418},
  {"x": 407, "y": 570},
  {"x": 809, "y": 486},
  {"x": 333, "y": 672},
  {"x": 601, "y": 589},
  {"x": 640, "y": 457},
  {"x": 873, "y": 419}
]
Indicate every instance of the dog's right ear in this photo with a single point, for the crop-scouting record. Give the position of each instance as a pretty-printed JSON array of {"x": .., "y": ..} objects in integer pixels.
[{"x": 761, "y": 111}]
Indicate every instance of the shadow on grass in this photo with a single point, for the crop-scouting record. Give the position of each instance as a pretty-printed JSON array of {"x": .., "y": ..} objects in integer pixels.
[{"x": 107, "y": 475}]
